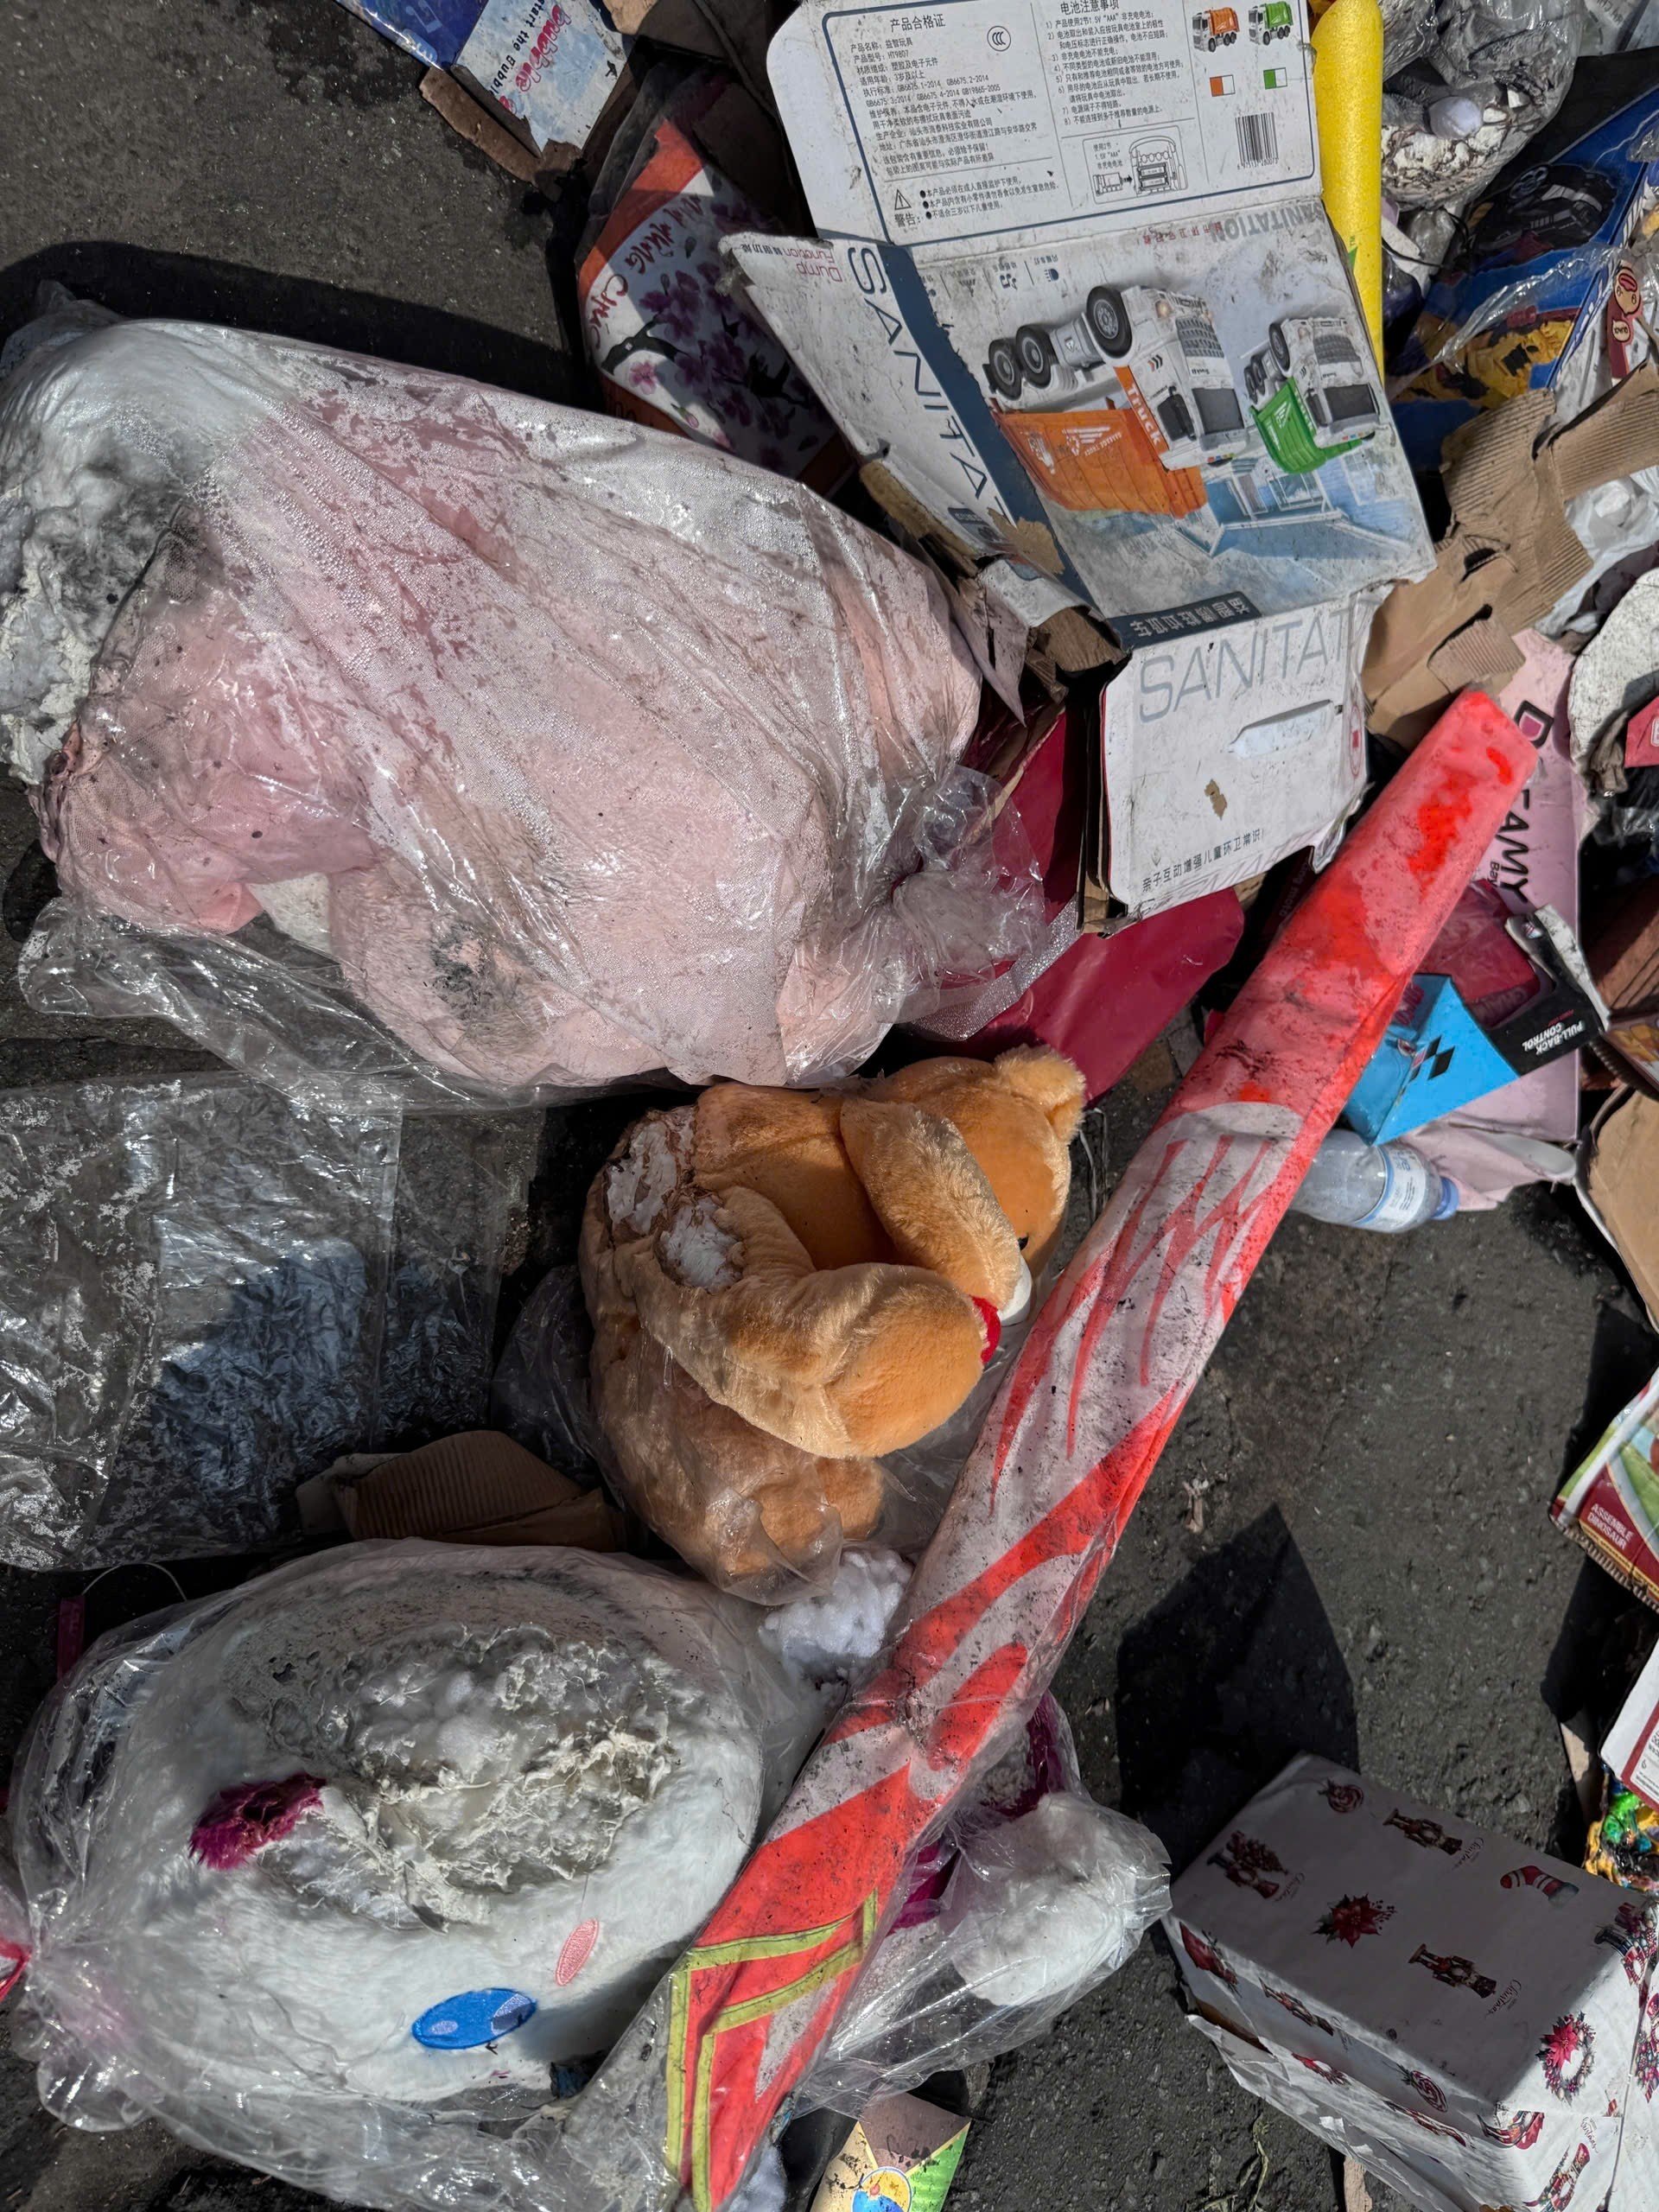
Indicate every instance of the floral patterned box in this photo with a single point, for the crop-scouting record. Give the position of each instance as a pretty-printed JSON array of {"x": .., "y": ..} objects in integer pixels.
[{"x": 1476, "y": 2023}]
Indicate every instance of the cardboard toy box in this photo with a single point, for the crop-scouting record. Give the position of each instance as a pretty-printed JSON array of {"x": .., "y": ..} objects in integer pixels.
[
  {"x": 1077, "y": 295},
  {"x": 1474, "y": 2022},
  {"x": 1505, "y": 992},
  {"x": 1223, "y": 752},
  {"x": 1610, "y": 1502}
]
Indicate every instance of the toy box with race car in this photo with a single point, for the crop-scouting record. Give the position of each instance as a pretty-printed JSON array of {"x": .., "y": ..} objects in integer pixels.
[
  {"x": 1080, "y": 300},
  {"x": 1519, "y": 302}
]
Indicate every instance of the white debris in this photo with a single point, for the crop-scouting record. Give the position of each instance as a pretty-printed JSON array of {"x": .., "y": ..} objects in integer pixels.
[{"x": 836, "y": 1633}]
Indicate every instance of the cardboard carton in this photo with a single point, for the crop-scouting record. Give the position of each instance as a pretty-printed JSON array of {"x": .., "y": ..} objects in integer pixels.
[
  {"x": 1225, "y": 751},
  {"x": 1610, "y": 1502},
  {"x": 1508, "y": 553},
  {"x": 1505, "y": 992},
  {"x": 544, "y": 71},
  {"x": 1619, "y": 1185},
  {"x": 1631, "y": 1747},
  {"x": 1078, "y": 294},
  {"x": 1474, "y": 2021}
]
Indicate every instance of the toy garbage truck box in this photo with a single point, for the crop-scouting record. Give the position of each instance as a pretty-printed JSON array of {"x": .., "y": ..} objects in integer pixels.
[
  {"x": 1504, "y": 990},
  {"x": 1519, "y": 303},
  {"x": 1214, "y": 27},
  {"x": 1276, "y": 19},
  {"x": 1310, "y": 392},
  {"x": 1474, "y": 2022},
  {"x": 1039, "y": 228}
]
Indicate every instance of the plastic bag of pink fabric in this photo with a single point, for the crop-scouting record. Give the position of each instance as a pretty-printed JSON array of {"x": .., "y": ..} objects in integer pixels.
[{"x": 562, "y": 752}]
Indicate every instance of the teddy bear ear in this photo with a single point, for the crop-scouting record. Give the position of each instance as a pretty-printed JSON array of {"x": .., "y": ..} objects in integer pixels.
[{"x": 1051, "y": 1082}]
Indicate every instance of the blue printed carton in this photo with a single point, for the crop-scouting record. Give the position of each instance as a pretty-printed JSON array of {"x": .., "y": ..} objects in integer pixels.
[
  {"x": 1542, "y": 249},
  {"x": 547, "y": 67}
]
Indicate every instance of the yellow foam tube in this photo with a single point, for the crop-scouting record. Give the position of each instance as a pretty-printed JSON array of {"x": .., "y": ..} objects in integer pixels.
[{"x": 1348, "y": 92}]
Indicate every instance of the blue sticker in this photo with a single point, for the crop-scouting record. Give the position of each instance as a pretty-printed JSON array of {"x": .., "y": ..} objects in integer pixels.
[{"x": 474, "y": 2017}]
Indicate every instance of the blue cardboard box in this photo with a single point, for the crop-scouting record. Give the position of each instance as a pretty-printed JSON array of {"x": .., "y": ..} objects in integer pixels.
[
  {"x": 1541, "y": 248},
  {"x": 1437, "y": 1054},
  {"x": 435, "y": 30},
  {"x": 546, "y": 68}
]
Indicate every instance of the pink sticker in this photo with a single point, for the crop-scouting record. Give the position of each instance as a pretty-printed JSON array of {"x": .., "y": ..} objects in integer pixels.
[
  {"x": 12, "y": 1965},
  {"x": 578, "y": 1950},
  {"x": 1642, "y": 738}
]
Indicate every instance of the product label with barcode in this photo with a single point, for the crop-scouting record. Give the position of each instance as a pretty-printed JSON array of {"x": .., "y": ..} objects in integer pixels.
[{"x": 972, "y": 116}]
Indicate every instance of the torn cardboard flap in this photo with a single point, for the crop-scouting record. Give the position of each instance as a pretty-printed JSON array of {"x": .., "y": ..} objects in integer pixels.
[
  {"x": 477, "y": 1488},
  {"x": 1620, "y": 1186},
  {"x": 1509, "y": 553}
]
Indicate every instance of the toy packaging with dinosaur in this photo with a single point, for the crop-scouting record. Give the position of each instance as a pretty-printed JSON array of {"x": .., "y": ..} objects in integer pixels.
[{"x": 1078, "y": 296}]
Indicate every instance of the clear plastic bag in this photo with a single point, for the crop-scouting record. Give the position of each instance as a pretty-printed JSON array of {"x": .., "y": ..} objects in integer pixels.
[
  {"x": 329, "y": 1873},
  {"x": 208, "y": 1294},
  {"x": 1468, "y": 85},
  {"x": 1030, "y": 1896},
  {"x": 579, "y": 751},
  {"x": 542, "y": 1395}
]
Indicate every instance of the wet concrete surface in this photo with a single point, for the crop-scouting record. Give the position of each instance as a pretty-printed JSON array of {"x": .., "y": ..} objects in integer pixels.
[{"x": 1374, "y": 1446}]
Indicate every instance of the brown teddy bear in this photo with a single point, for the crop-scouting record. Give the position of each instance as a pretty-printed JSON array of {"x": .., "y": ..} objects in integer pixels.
[{"x": 787, "y": 1284}]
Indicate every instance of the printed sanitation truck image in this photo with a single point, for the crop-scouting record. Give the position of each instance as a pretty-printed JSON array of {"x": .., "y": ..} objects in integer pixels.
[
  {"x": 1122, "y": 405},
  {"x": 1276, "y": 19},
  {"x": 1311, "y": 393},
  {"x": 1214, "y": 27}
]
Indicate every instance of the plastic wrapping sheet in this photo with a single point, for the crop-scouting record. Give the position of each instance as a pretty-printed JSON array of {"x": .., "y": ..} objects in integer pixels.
[
  {"x": 208, "y": 1294},
  {"x": 1029, "y": 1896},
  {"x": 520, "y": 1776},
  {"x": 580, "y": 751},
  {"x": 1468, "y": 87}
]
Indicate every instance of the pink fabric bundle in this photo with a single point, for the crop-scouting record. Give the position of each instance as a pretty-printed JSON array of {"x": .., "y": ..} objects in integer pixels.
[{"x": 584, "y": 752}]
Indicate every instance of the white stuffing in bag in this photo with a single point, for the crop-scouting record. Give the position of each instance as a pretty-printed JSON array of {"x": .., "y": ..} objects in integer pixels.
[{"x": 392, "y": 1830}]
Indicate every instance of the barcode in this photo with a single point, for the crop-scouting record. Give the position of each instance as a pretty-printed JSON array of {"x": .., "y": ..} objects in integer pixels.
[{"x": 1258, "y": 139}]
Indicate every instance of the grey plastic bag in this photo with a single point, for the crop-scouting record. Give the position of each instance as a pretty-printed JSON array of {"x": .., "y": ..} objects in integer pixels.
[{"x": 207, "y": 1294}]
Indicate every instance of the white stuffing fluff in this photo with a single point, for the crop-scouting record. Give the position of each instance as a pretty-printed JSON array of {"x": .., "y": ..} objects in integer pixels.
[
  {"x": 640, "y": 1184},
  {"x": 836, "y": 1633},
  {"x": 695, "y": 1250},
  {"x": 1041, "y": 1908}
]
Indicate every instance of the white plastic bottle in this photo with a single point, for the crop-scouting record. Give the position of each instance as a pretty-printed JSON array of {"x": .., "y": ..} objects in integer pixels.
[{"x": 1386, "y": 1186}]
